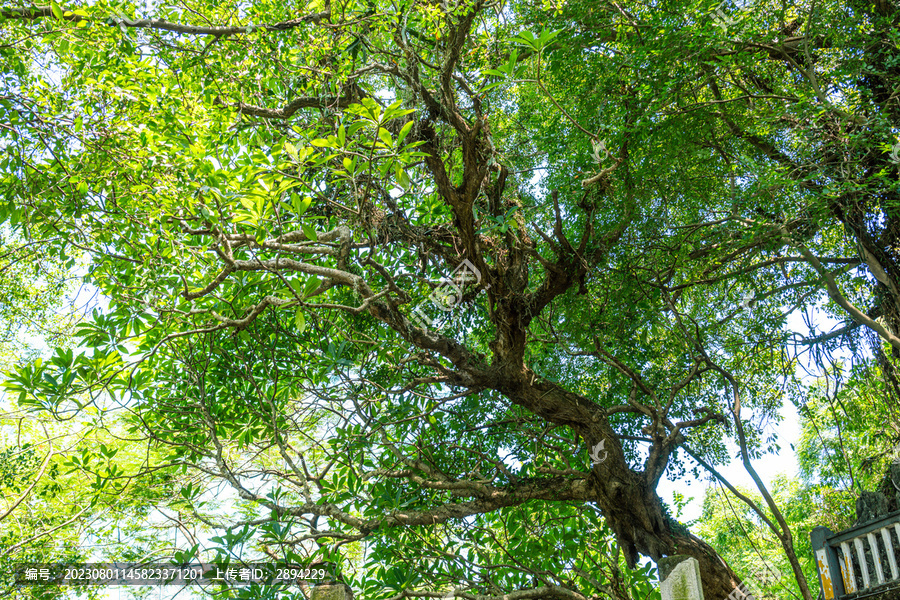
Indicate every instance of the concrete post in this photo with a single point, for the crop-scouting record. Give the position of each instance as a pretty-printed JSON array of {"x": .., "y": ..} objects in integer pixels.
[
  {"x": 827, "y": 563},
  {"x": 679, "y": 578}
]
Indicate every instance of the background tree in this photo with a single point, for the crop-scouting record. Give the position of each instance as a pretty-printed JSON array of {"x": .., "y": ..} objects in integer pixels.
[
  {"x": 747, "y": 543},
  {"x": 57, "y": 502}
]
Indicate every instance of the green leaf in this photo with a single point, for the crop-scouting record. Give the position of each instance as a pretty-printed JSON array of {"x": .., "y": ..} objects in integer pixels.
[
  {"x": 311, "y": 286},
  {"x": 491, "y": 86},
  {"x": 57, "y": 11},
  {"x": 299, "y": 320},
  {"x": 547, "y": 37},
  {"x": 385, "y": 137},
  {"x": 510, "y": 66},
  {"x": 310, "y": 232},
  {"x": 526, "y": 38},
  {"x": 404, "y": 132},
  {"x": 301, "y": 206},
  {"x": 402, "y": 178}
]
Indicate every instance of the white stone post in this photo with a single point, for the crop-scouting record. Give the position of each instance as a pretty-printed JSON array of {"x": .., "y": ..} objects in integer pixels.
[{"x": 679, "y": 578}]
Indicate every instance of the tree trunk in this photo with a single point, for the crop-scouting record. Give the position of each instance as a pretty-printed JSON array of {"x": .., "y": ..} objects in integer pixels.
[
  {"x": 630, "y": 505},
  {"x": 637, "y": 517}
]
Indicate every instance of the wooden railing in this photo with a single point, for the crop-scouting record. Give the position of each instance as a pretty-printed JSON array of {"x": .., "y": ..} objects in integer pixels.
[{"x": 860, "y": 561}]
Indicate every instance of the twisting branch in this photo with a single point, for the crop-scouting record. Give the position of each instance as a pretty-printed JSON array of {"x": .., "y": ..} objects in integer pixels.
[
  {"x": 835, "y": 294},
  {"x": 783, "y": 530},
  {"x": 288, "y": 109},
  {"x": 41, "y": 12}
]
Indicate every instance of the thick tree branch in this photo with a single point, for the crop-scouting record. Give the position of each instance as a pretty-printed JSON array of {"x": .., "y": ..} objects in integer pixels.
[{"x": 288, "y": 110}]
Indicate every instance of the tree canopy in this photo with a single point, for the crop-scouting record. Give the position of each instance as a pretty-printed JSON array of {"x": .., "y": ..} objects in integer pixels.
[{"x": 441, "y": 290}]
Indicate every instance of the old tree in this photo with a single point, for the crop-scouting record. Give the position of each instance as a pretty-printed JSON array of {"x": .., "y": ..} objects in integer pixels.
[{"x": 273, "y": 200}]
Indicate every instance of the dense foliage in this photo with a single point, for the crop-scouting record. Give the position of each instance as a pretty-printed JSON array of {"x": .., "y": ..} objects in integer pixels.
[{"x": 439, "y": 291}]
